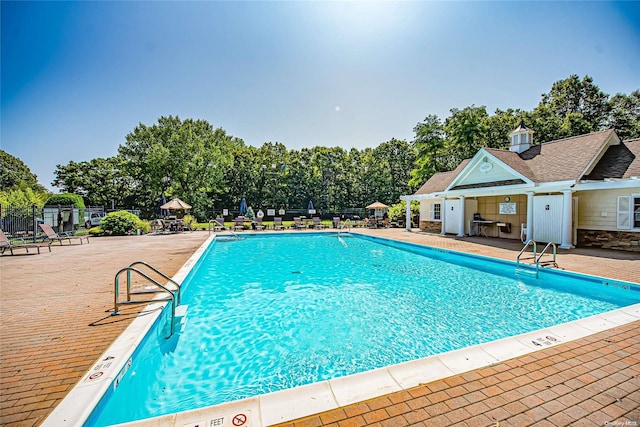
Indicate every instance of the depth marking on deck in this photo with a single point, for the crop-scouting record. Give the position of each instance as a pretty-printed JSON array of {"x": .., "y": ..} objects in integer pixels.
[{"x": 237, "y": 419}]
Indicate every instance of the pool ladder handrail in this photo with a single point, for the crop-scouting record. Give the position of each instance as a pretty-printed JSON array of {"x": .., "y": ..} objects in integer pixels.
[
  {"x": 172, "y": 292},
  {"x": 224, "y": 227},
  {"x": 553, "y": 262},
  {"x": 530, "y": 242}
]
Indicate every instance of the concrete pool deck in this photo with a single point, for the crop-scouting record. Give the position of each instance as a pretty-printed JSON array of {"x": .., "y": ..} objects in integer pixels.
[{"x": 55, "y": 325}]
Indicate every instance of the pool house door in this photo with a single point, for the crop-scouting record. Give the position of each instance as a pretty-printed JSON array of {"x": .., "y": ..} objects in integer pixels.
[
  {"x": 547, "y": 219},
  {"x": 452, "y": 213}
]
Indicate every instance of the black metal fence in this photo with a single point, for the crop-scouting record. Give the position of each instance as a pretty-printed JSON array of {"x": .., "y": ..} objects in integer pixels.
[{"x": 21, "y": 222}]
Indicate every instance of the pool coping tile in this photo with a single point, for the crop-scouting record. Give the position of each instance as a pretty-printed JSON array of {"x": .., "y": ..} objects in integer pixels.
[
  {"x": 415, "y": 372},
  {"x": 362, "y": 386},
  {"x": 297, "y": 402}
]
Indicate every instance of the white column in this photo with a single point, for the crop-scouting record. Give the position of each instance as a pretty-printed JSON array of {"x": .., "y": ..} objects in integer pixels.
[
  {"x": 461, "y": 221},
  {"x": 408, "y": 216},
  {"x": 529, "y": 215},
  {"x": 443, "y": 215},
  {"x": 567, "y": 219}
]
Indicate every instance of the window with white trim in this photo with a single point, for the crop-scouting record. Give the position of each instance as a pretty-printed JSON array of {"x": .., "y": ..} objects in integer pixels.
[
  {"x": 434, "y": 212},
  {"x": 629, "y": 212}
]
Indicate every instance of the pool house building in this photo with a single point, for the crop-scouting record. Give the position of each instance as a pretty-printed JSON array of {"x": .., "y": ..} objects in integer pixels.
[{"x": 578, "y": 191}]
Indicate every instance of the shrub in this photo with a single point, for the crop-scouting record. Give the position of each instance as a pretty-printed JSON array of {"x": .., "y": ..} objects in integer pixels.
[
  {"x": 95, "y": 231},
  {"x": 123, "y": 223},
  {"x": 250, "y": 214},
  {"x": 398, "y": 211}
]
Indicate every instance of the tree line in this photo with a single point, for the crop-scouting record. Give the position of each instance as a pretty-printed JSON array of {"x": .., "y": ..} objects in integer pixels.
[{"x": 212, "y": 170}]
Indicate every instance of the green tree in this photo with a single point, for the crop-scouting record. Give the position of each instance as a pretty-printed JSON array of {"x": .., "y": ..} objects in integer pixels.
[
  {"x": 185, "y": 159},
  {"x": 429, "y": 147},
  {"x": 391, "y": 170},
  {"x": 546, "y": 124},
  {"x": 579, "y": 104},
  {"x": 15, "y": 174},
  {"x": 500, "y": 125},
  {"x": 23, "y": 198},
  {"x": 101, "y": 182},
  {"x": 466, "y": 134},
  {"x": 625, "y": 114}
]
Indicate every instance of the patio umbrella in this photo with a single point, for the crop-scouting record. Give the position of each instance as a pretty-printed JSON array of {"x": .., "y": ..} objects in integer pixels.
[
  {"x": 379, "y": 208},
  {"x": 176, "y": 204},
  {"x": 377, "y": 205},
  {"x": 243, "y": 206},
  {"x": 310, "y": 206}
]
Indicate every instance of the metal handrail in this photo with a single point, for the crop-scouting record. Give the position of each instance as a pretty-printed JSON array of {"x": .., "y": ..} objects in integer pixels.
[
  {"x": 224, "y": 227},
  {"x": 116, "y": 310},
  {"x": 146, "y": 264},
  {"x": 535, "y": 252},
  {"x": 542, "y": 252}
]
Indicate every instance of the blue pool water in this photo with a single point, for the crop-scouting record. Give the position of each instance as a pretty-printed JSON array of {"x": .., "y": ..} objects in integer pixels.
[{"x": 278, "y": 311}]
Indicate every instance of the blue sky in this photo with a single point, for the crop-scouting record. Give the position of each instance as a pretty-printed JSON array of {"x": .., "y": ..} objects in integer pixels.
[{"x": 78, "y": 76}]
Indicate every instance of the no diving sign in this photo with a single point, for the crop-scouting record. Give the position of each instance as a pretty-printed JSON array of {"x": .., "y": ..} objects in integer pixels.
[
  {"x": 239, "y": 420},
  {"x": 236, "y": 419}
]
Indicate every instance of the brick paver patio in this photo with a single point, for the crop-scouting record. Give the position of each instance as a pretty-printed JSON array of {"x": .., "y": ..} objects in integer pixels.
[{"x": 55, "y": 323}]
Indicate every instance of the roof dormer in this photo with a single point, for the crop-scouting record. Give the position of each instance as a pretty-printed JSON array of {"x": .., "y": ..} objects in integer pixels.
[{"x": 521, "y": 138}]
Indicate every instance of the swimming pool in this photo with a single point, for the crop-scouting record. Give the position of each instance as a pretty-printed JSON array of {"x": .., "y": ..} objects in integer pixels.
[{"x": 265, "y": 311}]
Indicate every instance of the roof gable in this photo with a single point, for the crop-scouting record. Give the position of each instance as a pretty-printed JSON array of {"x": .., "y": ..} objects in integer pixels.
[{"x": 487, "y": 170}]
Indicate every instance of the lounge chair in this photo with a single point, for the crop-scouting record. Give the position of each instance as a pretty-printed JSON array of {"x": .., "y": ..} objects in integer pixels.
[
  {"x": 297, "y": 223},
  {"x": 317, "y": 223},
  {"x": 277, "y": 223},
  {"x": 218, "y": 224},
  {"x": 238, "y": 224},
  {"x": 336, "y": 222},
  {"x": 259, "y": 226},
  {"x": 53, "y": 236},
  {"x": 5, "y": 243}
]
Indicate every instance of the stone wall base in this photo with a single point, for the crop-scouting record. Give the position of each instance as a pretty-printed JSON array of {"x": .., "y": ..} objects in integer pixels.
[
  {"x": 432, "y": 226},
  {"x": 617, "y": 240}
]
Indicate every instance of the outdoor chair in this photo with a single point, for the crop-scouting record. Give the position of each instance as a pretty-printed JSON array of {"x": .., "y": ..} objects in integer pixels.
[
  {"x": 317, "y": 223},
  {"x": 259, "y": 226},
  {"x": 277, "y": 223},
  {"x": 336, "y": 222},
  {"x": 53, "y": 236},
  {"x": 158, "y": 226},
  {"x": 297, "y": 223},
  {"x": 238, "y": 224},
  {"x": 218, "y": 224},
  {"x": 5, "y": 243}
]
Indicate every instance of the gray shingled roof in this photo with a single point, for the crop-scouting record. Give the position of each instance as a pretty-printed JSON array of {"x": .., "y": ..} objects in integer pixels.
[
  {"x": 564, "y": 159},
  {"x": 634, "y": 168},
  {"x": 616, "y": 163}
]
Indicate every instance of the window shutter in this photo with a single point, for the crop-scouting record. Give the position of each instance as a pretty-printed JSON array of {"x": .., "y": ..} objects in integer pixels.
[{"x": 624, "y": 212}]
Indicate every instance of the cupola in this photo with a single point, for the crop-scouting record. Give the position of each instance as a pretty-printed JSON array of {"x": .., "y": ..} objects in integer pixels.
[{"x": 521, "y": 138}]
